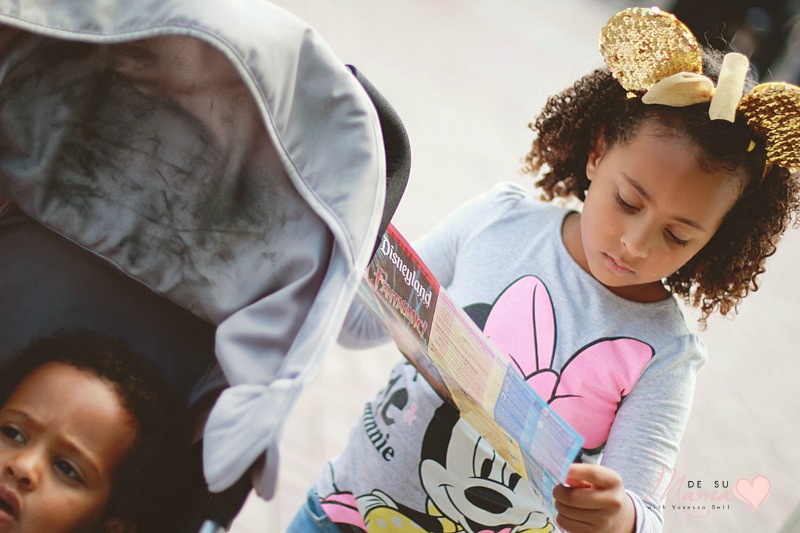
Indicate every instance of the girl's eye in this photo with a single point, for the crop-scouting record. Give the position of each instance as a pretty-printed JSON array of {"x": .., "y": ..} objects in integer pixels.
[
  {"x": 675, "y": 239},
  {"x": 67, "y": 470},
  {"x": 625, "y": 205},
  {"x": 12, "y": 433}
]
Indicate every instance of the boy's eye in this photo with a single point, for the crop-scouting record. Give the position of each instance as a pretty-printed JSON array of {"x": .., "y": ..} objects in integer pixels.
[
  {"x": 67, "y": 470},
  {"x": 12, "y": 433},
  {"x": 625, "y": 205}
]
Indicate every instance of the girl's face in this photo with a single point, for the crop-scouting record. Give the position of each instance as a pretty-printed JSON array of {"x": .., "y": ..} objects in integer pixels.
[
  {"x": 649, "y": 209},
  {"x": 63, "y": 431}
]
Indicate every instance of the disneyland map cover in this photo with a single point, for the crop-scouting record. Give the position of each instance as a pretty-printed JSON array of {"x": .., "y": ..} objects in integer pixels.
[{"x": 465, "y": 369}]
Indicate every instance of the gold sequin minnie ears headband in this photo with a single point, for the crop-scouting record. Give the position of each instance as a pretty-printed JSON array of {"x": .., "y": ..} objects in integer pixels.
[{"x": 653, "y": 54}]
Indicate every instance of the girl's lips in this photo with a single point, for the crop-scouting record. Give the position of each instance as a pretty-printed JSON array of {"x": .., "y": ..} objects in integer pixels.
[
  {"x": 617, "y": 267},
  {"x": 9, "y": 505}
]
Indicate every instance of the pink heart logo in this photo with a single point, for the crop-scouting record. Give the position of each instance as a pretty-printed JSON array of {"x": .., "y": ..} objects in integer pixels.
[{"x": 753, "y": 492}]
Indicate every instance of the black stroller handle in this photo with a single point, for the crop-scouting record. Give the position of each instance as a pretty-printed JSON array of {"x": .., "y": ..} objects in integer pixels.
[{"x": 397, "y": 148}]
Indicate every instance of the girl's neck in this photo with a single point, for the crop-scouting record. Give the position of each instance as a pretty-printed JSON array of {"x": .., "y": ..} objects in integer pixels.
[{"x": 571, "y": 236}]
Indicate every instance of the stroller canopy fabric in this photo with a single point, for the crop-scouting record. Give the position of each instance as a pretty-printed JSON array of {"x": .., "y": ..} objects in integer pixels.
[{"x": 220, "y": 154}]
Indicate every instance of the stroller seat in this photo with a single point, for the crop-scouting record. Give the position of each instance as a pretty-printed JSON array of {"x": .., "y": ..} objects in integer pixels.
[{"x": 225, "y": 172}]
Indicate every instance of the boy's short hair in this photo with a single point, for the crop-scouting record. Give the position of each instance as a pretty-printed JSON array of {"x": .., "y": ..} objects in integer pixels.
[{"x": 144, "y": 483}]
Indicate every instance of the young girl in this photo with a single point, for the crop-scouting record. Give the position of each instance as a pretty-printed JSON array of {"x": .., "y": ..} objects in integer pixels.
[
  {"x": 86, "y": 433},
  {"x": 686, "y": 186}
]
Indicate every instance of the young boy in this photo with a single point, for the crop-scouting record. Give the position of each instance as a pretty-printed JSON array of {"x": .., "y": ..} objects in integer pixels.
[{"x": 88, "y": 435}]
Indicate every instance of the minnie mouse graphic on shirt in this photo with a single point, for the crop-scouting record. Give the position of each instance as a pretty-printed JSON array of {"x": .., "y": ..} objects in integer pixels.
[{"x": 469, "y": 487}]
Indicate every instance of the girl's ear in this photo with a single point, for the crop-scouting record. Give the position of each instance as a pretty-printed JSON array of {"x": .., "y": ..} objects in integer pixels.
[
  {"x": 595, "y": 155},
  {"x": 118, "y": 525}
]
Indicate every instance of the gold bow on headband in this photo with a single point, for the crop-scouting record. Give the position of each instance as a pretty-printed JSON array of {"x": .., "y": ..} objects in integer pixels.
[{"x": 652, "y": 54}]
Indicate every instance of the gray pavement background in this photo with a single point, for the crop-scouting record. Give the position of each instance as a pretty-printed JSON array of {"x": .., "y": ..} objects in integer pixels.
[{"x": 467, "y": 76}]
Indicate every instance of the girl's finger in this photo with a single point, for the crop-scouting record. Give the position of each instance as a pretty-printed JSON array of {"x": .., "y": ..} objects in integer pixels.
[
  {"x": 572, "y": 525},
  {"x": 579, "y": 498},
  {"x": 577, "y": 483},
  {"x": 599, "y": 477}
]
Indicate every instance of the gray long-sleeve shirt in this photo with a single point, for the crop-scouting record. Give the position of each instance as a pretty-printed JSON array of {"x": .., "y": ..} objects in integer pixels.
[{"x": 622, "y": 373}]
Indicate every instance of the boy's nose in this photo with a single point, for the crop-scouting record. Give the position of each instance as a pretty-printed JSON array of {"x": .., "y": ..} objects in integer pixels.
[{"x": 24, "y": 469}]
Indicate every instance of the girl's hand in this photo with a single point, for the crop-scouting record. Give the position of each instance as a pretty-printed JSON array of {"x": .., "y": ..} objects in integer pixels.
[{"x": 594, "y": 502}]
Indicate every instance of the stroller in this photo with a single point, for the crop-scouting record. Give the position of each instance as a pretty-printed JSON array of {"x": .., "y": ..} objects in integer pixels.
[{"x": 204, "y": 180}]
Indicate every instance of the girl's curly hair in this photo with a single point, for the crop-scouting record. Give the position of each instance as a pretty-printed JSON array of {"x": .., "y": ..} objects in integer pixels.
[{"x": 726, "y": 269}]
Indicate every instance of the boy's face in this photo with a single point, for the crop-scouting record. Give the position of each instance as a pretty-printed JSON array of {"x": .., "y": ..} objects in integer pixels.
[
  {"x": 63, "y": 431},
  {"x": 649, "y": 209}
]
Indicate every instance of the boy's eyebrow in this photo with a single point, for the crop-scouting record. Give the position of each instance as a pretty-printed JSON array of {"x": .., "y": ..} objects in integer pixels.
[
  {"x": 86, "y": 457},
  {"x": 635, "y": 184},
  {"x": 22, "y": 414},
  {"x": 68, "y": 443}
]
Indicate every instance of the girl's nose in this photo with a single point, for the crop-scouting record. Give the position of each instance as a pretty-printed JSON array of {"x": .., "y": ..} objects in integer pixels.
[
  {"x": 24, "y": 469},
  {"x": 636, "y": 240}
]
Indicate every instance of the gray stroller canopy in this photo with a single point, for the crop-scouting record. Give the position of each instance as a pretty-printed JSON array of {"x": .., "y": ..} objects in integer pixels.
[{"x": 217, "y": 153}]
